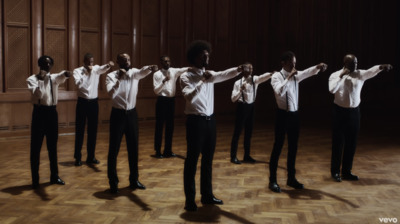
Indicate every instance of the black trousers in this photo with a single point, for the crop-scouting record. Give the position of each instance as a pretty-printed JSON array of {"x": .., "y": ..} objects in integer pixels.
[
  {"x": 44, "y": 123},
  {"x": 165, "y": 111},
  {"x": 346, "y": 126},
  {"x": 201, "y": 138},
  {"x": 244, "y": 118},
  {"x": 123, "y": 122},
  {"x": 286, "y": 123},
  {"x": 86, "y": 109}
]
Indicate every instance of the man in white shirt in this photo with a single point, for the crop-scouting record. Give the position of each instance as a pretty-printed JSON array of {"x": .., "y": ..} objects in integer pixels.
[
  {"x": 244, "y": 93},
  {"x": 346, "y": 85},
  {"x": 87, "y": 107},
  {"x": 44, "y": 89},
  {"x": 286, "y": 88},
  {"x": 122, "y": 86},
  {"x": 164, "y": 82},
  {"x": 198, "y": 90}
]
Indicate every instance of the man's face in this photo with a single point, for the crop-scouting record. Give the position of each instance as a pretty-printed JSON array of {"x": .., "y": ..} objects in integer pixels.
[
  {"x": 88, "y": 62},
  {"x": 47, "y": 65},
  {"x": 248, "y": 71},
  {"x": 165, "y": 63},
  {"x": 289, "y": 65},
  {"x": 124, "y": 61},
  {"x": 202, "y": 59},
  {"x": 352, "y": 65}
]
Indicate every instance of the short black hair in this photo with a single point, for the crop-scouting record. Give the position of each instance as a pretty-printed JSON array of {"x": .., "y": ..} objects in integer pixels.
[
  {"x": 87, "y": 56},
  {"x": 42, "y": 60},
  {"x": 195, "y": 48},
  {"x": 287, "y": 55},
  {"x": 163, "y": 56}
]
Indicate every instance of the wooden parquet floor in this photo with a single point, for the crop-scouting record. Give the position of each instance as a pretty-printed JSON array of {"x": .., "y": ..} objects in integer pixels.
[{"x": 244, "y": 188}]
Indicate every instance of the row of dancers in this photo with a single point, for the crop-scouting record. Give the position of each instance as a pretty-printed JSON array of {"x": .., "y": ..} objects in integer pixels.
[{"x": 197, "y": 84}]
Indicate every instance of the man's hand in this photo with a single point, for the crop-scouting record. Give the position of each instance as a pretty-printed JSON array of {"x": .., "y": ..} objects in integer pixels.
[
  {"x": 166, "y": 78},
  {"x": 322, "y": 67},
  {"x": 67, "y": 74},
  {"x": 41, "y": 75},
  {"x": 292, "y": 73},
  {"x": 243, "y": 68},
  {"x": 110, "y": 64},
  {"x": 206, "y": 75},
  {"x": 386, "y": 67},
  {"x": 345, "y": 71},
  {"x": 153, "y": 68}
]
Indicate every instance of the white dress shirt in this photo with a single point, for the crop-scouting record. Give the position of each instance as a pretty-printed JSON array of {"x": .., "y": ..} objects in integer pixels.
[
  {"x": 123, "y": 91},
  {"x": 168, "y": 88},
  {"x": 199, "y": 95},
  {"x": 88, "y": 82},
  {"x": 250, "y": 91},
  {"x": 347, "y": 89},
  {"x": 42, "y": 90},
  {"x": 287, "y": 91}
]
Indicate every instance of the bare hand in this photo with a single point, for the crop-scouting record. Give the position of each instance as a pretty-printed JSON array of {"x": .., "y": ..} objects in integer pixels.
[
  {"x": 206, "y": 75},
  {"x": 386, "y": 67},
  {"x": 153, "y": 68},
  {"x": 322, "y": 67},
  {"x": 110, "y": 64},
  {"x": 67, "y": 73},
  {"x": 41, "y": 75},
  {"x": 345, "y": 71},
  {"x": 243, "y": 68},
  {"x": 293, "y": 73}
]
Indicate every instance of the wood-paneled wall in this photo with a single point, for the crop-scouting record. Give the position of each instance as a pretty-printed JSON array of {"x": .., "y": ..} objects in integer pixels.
[{"x": 239, "y": 30}]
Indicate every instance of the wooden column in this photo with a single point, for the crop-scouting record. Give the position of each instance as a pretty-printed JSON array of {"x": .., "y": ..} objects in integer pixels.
[
  {"x": 37, "y": 33},
  {"x": 106, "y": 32}
]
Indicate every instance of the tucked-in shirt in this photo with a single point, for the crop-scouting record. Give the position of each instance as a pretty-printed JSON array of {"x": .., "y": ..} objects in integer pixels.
[
  {"x": 287, "y": 91},
  {"x": 88, "y": 82},
  {"x": 347, "y": 89},
  {"x": 199, "y": 95},
  {"x": 168, "y": 88},
  {"x": 42, "y": 89},
  {"x": 248, "y": 94},
  {"x": 123, "y": 91}
]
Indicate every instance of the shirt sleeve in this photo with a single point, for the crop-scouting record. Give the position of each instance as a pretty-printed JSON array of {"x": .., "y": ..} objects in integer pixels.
[
  {"x": 112, "y": 84},
  {"x": 102, "y": 69},
  {"x": 223, "y": 75},
  {"x": 262, "y": 78},
  {"x": 78, "y": 77},
  {"x": 236, "y": 93},
  {"x": 157, "y": 82},
  {"x": 36, "y": 86},
  {"x": 370, "y": 73},
  {"x": 189, "y": 90},
  {"x": 301, "y": 75},
  {"x": 279, "y": 84},
  {"x": 140, "y": 74},
  {"x": 59, "y": 78},
  {"x": 334, "y": 82}
]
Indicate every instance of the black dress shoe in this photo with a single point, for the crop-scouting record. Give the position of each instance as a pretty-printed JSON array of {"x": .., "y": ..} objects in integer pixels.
[
  {"x": 248, "y": 159},
  {"x": 78, "y": 162},
  {"x": 349, "y": 176},
  {"x": 235, "y": 161},
  {"x": 114, "y": 190},
  {"x": 137, "y": 185},
  {"x": 273, "y": 186},
  {"x": 211, "y": 200},
  {"x": 336, "y": 177},
  {"x": 294, "y": 183},
  {"x": 57, "y": 181},
  {"x": 191, "y": 207},
  {"x": 35, "y": 185},
  {"x": 92, "y": 161},
  {"x": 158, "y": 155},
  {"x": 169, "y": 154}
]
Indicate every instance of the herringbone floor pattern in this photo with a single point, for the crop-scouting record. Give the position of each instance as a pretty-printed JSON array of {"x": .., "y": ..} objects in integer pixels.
[{"x": 244, "y": 188}]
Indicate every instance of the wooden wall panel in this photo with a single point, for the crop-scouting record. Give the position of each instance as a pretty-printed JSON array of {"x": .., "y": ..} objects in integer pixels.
[
  {"x": 56, "y": 47},
  {"x": 121, "y": 43},
  {"x": 55, "y": 12},
  {"x": 200, "y": 20},
  {"x": 90, "y": 14},
  {"x": 17, "y": 44}
]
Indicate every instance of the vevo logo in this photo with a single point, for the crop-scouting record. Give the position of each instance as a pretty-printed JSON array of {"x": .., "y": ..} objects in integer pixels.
[{"x": 388, "y": 220}]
